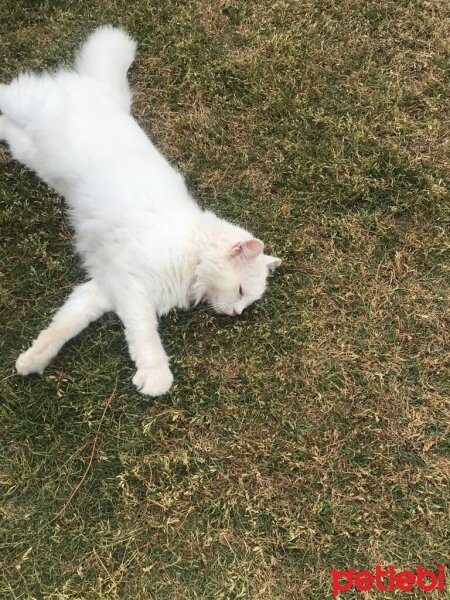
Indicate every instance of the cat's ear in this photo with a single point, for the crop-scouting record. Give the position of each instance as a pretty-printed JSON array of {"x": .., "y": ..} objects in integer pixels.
[
  {"x": 272, "y": 262},
  {"x": 249, "y": 248}
]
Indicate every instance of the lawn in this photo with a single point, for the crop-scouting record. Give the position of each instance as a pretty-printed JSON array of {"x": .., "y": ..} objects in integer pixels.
[{"x": 313, "y": 431}]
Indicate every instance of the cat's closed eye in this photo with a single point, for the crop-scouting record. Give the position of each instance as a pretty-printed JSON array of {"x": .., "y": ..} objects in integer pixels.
[{"x": 241, "y": 293}]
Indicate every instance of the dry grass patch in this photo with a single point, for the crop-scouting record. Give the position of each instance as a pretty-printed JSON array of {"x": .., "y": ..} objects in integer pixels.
[{"x": 313, "y": 431}]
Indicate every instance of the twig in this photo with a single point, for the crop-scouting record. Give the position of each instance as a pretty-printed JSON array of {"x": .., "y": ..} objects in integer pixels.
[{"x": 91, "y": 458}]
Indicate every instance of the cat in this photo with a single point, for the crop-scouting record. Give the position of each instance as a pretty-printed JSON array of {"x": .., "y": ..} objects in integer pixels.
[{"x": 145, "y": 243}]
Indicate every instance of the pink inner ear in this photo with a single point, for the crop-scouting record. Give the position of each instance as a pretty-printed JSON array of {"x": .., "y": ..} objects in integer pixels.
[
  {"x": 253, "y": 247},
  {"x": 248, "y": 248}
]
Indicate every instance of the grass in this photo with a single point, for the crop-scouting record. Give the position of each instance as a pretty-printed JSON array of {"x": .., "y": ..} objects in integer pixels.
[{"x": 312, "y": 432}]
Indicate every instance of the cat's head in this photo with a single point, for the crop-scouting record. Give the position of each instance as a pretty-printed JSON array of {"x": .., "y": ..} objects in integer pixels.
[{"x": 233, "y": 270}]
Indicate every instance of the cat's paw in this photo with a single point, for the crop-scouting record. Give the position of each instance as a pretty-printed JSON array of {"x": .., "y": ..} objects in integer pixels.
[
  {"x": 31, "y": 361},
  {"x": 153, "y": 381}
]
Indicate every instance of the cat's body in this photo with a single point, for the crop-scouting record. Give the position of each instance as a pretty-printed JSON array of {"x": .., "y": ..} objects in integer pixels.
[{"x": 145, "y": 243}]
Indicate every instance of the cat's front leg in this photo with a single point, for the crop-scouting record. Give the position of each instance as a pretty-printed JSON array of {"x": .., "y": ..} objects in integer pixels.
[
  {"x": 86, "y": 303},
  {"x": 153, "y": 380},
  {"x": 153, "y": 376}
]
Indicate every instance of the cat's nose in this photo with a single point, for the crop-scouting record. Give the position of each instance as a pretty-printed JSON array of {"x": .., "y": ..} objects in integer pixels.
[{"x": 236, "y": 312}]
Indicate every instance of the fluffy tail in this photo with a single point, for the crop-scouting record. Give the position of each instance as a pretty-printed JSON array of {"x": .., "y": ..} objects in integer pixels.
[{"x": 106, "y": 56}]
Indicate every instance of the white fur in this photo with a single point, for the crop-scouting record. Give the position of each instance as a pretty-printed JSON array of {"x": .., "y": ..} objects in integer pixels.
[{"x": 145, "y": 243}]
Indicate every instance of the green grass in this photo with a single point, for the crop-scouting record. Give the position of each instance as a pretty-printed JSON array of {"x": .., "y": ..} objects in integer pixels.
[{"x": 312, "y": 432}]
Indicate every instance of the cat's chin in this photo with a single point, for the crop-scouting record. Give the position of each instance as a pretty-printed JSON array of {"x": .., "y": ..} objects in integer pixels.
[{"x": 227, "y": 313}]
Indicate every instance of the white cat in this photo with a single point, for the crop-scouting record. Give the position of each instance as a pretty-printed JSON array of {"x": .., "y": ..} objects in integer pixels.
[{"x": 145, "y": 243}]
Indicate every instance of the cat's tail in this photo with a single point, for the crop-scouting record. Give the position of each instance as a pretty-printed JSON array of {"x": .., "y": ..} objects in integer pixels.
[{"x": 106, "y": 56}]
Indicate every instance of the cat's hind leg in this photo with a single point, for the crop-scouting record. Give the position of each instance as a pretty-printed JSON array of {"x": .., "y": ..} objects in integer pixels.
[
  {"x": 19, "y": 141},
  {"x": 85, "y": 304}
]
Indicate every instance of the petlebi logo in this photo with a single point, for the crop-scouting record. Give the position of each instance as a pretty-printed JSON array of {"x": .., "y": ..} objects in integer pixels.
[{"x": 387, "y": 579}]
